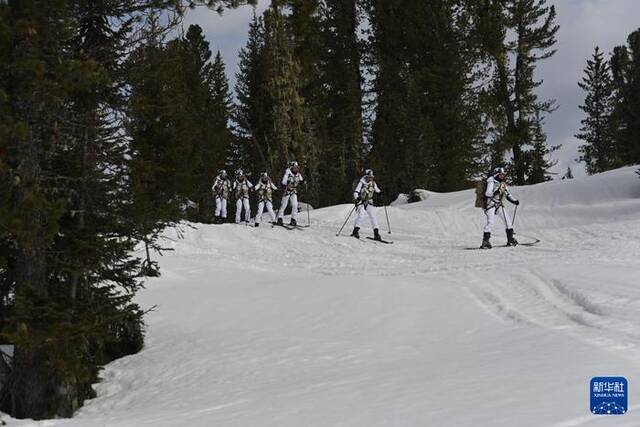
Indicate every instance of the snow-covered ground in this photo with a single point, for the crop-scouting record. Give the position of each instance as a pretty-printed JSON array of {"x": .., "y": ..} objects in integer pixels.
[{"x": 269, "y": 327}]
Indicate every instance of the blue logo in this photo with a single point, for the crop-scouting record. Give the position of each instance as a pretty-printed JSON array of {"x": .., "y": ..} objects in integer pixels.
[{"x": 609, "y": 395}]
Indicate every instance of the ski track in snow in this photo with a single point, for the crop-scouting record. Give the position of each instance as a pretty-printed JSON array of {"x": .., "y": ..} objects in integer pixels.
[{"x": 262, "y": 326}]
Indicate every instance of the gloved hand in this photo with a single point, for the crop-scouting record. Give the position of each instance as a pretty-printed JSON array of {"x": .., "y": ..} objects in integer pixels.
[
  {"x": 357, "y": 200},
  {"x": 516, "y": 202}
]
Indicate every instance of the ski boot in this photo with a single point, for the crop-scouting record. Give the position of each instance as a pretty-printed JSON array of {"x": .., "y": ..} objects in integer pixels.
[
  {"x": 376, "y": 235},
  {"x": 293, "y": 223},
  {"x": 486, "y": 244},
  {"x": 216, "y": 220},
  {"x": 511, "y": 241},
  {"x": 280, "y": 222},
  {"x": 257, "y": 224},
  {"x": 356, "y": 233}
]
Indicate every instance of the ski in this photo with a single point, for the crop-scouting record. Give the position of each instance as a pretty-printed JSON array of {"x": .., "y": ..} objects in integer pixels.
[
  {"x": 300, "y": 227},
  {"x": 529, "y": 244},
  {"x": 294, "y": 227},
  {"x": 285, "y": 226},
  {"x": 486, "y": 249},
  {"x": 289, "y": 226},
  {"x": 386, "y": 242}
]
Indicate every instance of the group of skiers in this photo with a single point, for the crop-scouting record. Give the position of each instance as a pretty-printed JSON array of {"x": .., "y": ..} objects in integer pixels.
[
  {"x": 493, "y": 196},
  {"x": 241, "y": 188}
]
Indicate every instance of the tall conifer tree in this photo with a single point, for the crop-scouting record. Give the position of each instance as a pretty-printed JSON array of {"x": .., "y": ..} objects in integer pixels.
[
  {"x": 427, "y": 130},
  {"x": 252, "y": 113},
  {"x": 342, "y": 145},
  {"x": 516, "y": 35},
  {"x": 598, "y": 152},
  {"x": 291, "y": 135},
  {"x": 625, "y": 66},
  {"x": 67, "y": 233}
]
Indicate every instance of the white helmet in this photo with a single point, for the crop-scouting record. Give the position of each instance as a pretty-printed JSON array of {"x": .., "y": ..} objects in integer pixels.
[
  {"x": 264, "y": 177},
  {"x": 369, "y": 173},
  {"x": 239, "y": 173},
  {"x": 222, "y": 173},
  {"x": 293, "y": 164}
]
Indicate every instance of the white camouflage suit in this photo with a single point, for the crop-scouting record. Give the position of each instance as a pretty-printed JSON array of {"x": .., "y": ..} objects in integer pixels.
[
  {"x": 290, "y": 182},
  {"x": 241, "y": 189},
  {"x": 221, "y": 188},
  {"x": 364, "y": 191},
  {"x": 496, "y": 193},
  {"x": 265, "y": 199}
]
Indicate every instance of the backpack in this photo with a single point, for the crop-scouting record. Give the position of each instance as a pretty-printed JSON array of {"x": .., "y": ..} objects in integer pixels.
[{"x": 481, "y": 189}]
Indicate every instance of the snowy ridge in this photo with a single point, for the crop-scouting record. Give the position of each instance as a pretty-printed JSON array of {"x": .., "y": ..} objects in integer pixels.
[{"x": 270, "y": 327}]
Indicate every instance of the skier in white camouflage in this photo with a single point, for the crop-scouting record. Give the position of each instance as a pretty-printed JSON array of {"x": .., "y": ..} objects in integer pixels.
[
  {"x": 221, "y": 188},
  {"x": 363, "y": 198},
  {"x": 241, "y": 188},
  {"x": 290, "y": 182},
  {"x": 496, "y": 192},
  {"x": 264, "y": 190}
]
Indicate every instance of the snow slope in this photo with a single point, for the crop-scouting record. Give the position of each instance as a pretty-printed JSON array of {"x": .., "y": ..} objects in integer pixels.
[{"x": 269, "y": 327}]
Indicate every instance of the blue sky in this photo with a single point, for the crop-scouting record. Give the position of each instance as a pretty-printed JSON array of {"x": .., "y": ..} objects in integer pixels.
[{"x": 583, "y": 25}]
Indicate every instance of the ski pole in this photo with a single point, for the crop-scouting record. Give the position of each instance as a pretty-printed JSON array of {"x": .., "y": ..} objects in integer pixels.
[
  {"x": 308, "y": 216},
  {"x": 387, "y": 215},
  {"x": 515, "y": 212},
  {"x": 346, "y": 220}
]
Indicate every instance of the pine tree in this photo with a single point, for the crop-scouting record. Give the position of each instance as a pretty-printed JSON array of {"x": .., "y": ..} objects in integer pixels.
[
  {"x": 252, "y": 113},
  {"x": 221, "y": 101},
  {"x": 66, "y": 257},
  {"x": 341, "y": 132},
  {"x": 598, "y": 152},
  {"x": 160, "y": 162},
  {"x": 303, "y": 23},
  {"x": 7, "y": 278},
  {"x": 427, "y": 131},
  {"x": 318, "y": 41},
  {"x": 536, "y": 160},
  {"x": 625, "y": 67},
  {"x": 32, "y": 213},
  {"x": 217, "y": 148},
  {"x": 66, "y": 204},
  {"x": 304, "y": 27},
  {"x": 389, "y": 144},
  {"x": 283, "y": 79},
  {"x": 204, "y": 119},
  {"x": 516, "y": 35},
  {"x": 291, "y": 135}
]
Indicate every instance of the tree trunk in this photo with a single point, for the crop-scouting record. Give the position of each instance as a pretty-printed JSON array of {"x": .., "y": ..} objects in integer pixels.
[
  {"x": 512, "y": 134},
  {"x": 33, "y": 377}
]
